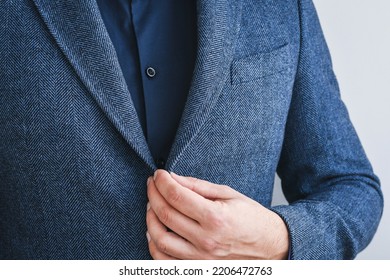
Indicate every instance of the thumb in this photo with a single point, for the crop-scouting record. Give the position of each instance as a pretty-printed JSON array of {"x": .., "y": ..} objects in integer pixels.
[{"x": 204, "y": 188}]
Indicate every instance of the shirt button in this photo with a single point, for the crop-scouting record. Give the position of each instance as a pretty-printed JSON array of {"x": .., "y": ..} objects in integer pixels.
[
  {"x": 150, "y": 72},
  {"x": 160, "y": 163}
]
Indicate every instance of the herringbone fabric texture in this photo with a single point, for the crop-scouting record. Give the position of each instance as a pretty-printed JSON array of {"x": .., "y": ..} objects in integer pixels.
[{"x": 264, "y": 99}]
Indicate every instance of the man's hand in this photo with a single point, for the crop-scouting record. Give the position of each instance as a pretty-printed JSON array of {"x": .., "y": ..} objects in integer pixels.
[{"x": 189, "y": 218}]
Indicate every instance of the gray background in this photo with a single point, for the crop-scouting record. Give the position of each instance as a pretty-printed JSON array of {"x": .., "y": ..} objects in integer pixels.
[{"x": 358, "y": 35}]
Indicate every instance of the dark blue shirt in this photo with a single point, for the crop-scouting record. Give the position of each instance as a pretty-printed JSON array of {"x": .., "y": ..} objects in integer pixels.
[{"x": 156, "y": 46}]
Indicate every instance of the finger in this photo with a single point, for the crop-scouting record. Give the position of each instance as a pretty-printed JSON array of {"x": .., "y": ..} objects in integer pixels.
[
  {"x": 158, "y": 255},
  {"x": 205, "y": 188},
  {"x": 169, "y": 216},
  {"x": 183, "y": 199},
  {"x": 163, "y": 242}
]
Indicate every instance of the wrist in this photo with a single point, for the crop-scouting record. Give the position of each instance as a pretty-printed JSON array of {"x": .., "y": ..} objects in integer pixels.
[{"x": 280, "y": 244}]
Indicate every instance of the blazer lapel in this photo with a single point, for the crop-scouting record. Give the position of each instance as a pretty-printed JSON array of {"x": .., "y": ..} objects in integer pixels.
[
  {"x": 218, "y": 25},
  {"x": 79, "y": 31}
]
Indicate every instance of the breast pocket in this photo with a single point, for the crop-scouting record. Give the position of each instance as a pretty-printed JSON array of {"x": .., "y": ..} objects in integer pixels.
[{"x": 254, "y": 67}]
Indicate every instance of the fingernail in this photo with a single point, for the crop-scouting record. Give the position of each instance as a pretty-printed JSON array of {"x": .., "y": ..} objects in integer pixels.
[
  {"x": 155, "y": 175},
  {"x": 148, "y": 181},
  {"x": 148, "y": 236},
  {"x": 147, "y": 206}
]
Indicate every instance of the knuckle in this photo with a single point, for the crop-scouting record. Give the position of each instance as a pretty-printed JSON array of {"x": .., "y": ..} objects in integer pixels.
[
  {"x": 162, "y": 245},
  {"x": 214, "y": 249},
  {"x": 149, "y": 218},
  {"x": 209, "y": 245},
  {"x": 153, "y": 250},
  {"x": 164, "y": 215},
  {"x": 215, "y": 219},
  {"x": 174, "y": 195}
]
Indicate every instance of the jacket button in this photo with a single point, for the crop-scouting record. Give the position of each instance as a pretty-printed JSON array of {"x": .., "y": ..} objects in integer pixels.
[
  {"x": 160, "y": 163},
  {"x": 150, "y": 72}
]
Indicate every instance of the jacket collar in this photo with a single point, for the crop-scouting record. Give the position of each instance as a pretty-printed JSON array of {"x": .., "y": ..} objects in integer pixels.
[
  {"x": 79, "y": 30},
  {"x": 218, "y": 26}
]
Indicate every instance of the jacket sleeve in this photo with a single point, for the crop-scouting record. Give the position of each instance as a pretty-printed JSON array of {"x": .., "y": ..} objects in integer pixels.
[{"x": 335, "y": 201}]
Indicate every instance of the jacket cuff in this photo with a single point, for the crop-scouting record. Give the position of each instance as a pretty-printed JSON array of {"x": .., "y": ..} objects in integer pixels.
[{"x": 305, "y": 239}]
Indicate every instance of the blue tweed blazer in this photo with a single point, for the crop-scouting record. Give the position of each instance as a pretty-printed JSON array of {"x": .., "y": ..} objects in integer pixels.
[{"x": 263, "y": 99}]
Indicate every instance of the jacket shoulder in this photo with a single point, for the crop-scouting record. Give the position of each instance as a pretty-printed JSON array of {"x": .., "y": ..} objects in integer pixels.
[{"x": 267, "y": 25}]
